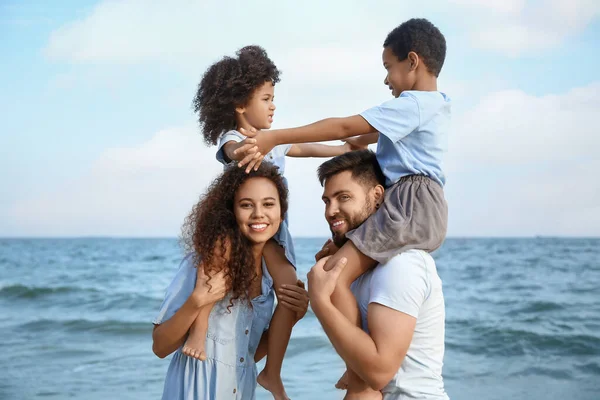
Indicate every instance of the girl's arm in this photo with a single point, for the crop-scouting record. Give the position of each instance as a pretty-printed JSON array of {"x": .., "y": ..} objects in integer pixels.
[
  {"x": 168, "y": 336},
  {"x": 321, "y": 150}
]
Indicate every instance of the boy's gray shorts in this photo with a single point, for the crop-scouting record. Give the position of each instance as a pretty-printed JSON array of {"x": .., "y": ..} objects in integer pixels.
[{"x": 414, "y": 215}]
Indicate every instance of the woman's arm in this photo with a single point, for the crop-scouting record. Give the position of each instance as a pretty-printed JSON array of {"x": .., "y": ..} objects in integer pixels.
[{"x": 168, "y": 336}]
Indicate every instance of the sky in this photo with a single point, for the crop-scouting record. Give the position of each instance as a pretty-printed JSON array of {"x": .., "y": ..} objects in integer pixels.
[{"x": 98, "y": 135}]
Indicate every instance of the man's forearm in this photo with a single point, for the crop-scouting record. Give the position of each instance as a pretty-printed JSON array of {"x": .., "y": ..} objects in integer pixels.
[
  {"x": 354, "y": 345},
  {"x": 324, "y": 130}
]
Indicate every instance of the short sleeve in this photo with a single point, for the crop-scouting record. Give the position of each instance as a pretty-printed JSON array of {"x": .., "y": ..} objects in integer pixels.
[
  {"x": 395, "y": 118},
  {"x": 285, "y": 148},
  {"x": 402, "y": 283},
  {"x": 234, "y": 136},
  {"x": 179, "y": 290}
]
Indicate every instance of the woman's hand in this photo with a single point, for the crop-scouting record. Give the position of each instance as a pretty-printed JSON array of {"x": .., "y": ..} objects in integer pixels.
[
  {"x": 209, "y": 290},
  {"x": 295, "y": 298}
]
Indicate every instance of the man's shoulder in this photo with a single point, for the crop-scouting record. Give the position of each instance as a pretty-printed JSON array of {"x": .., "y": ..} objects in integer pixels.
[{"x": 409, "y": 259}]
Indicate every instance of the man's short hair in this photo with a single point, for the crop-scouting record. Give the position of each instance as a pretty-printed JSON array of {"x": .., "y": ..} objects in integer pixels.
[{"x": 362, "y": 163}]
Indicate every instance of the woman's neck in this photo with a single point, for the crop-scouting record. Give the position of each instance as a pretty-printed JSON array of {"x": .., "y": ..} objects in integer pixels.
[{"x": 257, "y": 252}]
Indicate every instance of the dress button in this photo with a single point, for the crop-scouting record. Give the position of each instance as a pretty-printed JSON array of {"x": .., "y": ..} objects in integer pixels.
[
  {"x": 234, "y": 390},
  {"x": 242, "y": 359},
  {"x": 246, "y": 331}
]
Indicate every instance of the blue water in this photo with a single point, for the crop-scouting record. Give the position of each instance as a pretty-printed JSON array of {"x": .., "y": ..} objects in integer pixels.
[{"x": 523, "y": 320}]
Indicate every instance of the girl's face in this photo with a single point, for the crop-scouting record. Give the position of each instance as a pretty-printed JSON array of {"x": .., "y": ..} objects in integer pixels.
[
  {"x": 257, "y": 209},
  {"x": 260, "y": 109}
]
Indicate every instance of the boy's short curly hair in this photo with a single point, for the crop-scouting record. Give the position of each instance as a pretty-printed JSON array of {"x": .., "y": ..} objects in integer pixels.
[
  {"x": 422, "y": 37},
  {"x": 227, "y": 84}
]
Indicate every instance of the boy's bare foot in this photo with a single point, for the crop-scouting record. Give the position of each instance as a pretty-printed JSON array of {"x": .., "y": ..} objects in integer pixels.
[
  {"x": 364, "y": 395},
  {"x": 343, "y": 382},
  {"x": 273, "y": 385},
  {"x": 194, "y": 345}
]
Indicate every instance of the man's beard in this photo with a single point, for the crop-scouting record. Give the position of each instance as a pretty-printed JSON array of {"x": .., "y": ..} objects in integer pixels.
[{"x": 353, "y": 222}]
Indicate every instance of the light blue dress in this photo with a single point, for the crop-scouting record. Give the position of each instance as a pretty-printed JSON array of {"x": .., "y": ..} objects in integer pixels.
[
  {"x": 277, "y": 158},
  {"x": 229, "y": 372}
]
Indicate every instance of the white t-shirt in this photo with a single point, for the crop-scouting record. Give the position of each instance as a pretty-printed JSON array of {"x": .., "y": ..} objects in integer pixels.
[{"x": 409, "y": 283}]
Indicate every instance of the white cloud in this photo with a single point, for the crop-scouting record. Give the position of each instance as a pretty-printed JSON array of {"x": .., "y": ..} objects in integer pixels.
[
  {"x": 183, "y": 33},
  {"x": 534, "y": 26},
  {"x": 511, "y": 128},
  {"x": 519, "y": 165}
]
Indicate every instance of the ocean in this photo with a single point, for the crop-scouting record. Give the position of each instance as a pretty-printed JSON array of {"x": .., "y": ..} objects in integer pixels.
[{"x": 522, "y": 320}]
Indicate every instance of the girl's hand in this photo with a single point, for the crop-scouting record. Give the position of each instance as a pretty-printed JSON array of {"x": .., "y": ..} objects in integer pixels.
[
  {"x": 295, "y": 298},
  {"x": 354, "y": 143},
  {"x": 209, "y": 290},
  {"x": 264, "y": 143}
]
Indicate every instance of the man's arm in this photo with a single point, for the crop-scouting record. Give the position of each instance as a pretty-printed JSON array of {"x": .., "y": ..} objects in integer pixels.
[{"x": 375, "y": 358}]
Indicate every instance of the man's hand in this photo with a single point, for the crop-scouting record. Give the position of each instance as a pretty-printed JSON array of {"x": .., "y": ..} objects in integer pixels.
[
  {"x": 295, "y": 298},
  {"x": 328, "y": 249},
  {"x": 264, "y": 142},
  {"x": 321, "y": 283}
]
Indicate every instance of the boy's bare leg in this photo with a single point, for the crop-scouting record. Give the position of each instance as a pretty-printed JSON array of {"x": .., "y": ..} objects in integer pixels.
[
  {"x": 344, "y": 300},
  {"x": 283, "y": 320}
]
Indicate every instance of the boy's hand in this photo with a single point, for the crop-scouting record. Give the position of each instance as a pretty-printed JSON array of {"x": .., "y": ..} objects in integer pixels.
[
  {"x": 264, "y": 142},
  {"x": 328, "y": 249}
]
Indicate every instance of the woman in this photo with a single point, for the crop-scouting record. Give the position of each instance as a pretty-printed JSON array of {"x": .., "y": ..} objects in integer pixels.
[{"x": 226, "y": 231}]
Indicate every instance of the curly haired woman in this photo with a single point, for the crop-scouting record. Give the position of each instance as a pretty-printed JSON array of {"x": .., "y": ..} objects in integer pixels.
[
  {"x": 226, "y": 232},
  {"x": 235, "y": 93}
]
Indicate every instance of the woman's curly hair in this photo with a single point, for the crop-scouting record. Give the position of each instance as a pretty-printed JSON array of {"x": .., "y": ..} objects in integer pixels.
[
  {"x": 212, "y": 233},
  {"x": 227, "y": 84}
]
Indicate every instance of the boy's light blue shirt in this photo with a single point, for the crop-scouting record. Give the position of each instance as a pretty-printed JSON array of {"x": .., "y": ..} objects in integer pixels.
[{"x": 413, "y": 134}]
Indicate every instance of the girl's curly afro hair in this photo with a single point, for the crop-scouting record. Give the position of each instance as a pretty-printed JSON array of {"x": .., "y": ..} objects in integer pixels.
[{"x": 227, "y": 84}]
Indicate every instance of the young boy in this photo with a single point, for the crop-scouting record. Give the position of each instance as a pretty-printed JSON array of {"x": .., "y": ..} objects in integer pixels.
[{"x": 411, "y": 132}]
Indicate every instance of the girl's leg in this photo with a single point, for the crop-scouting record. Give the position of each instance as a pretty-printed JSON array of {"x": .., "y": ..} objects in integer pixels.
[
  {"x": 283, "y": 320},
  {"x": 194, "y": 344}
]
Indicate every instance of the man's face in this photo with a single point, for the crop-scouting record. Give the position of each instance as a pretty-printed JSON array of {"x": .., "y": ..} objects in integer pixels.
[{"x": 347, "y": 205}]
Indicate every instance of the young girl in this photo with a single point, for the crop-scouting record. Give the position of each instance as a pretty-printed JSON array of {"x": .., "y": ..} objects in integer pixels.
[
  {"x": 237, "y": 93},
  {"x": 225, "y": 265}
]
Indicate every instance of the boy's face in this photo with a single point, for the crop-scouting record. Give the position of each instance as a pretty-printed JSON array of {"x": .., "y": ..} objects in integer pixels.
[
  {"x": 260, "y": 109},
  {"x": 401, "y": 75}
]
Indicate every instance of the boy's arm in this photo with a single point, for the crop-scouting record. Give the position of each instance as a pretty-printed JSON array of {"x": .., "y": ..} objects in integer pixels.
[{"x": 324, "y": 130}]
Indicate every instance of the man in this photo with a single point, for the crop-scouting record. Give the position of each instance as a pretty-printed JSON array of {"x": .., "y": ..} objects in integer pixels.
[{"x": 401, "y": 350}]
